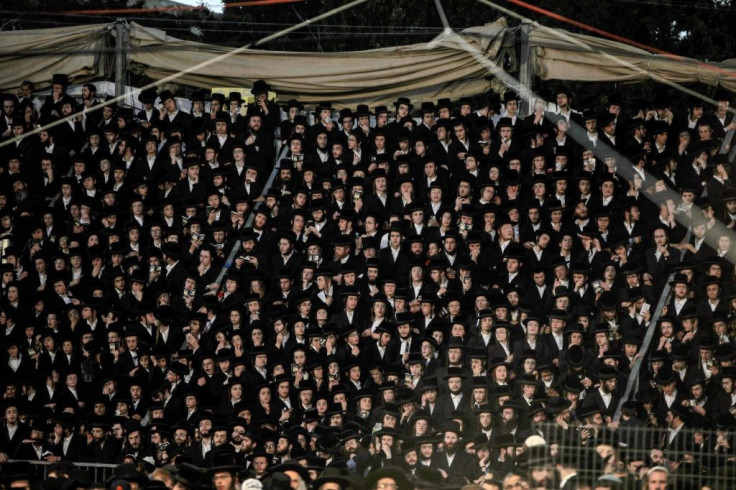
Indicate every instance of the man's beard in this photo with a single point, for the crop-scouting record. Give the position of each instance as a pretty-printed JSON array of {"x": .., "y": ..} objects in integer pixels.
[
  {"x": 21, "y": 195},
  {"x": 507, "y": 426}
]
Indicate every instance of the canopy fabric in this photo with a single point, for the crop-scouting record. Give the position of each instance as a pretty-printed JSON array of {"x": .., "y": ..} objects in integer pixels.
[
  {"x": 36, "y": 54},
  {"x": 423, "y": 71},
  {"x": 448, "y": 66},
  {"x": 561, "y": 55}
]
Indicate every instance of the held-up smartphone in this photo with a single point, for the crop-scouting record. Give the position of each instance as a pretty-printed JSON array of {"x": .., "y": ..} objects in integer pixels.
[{"x": 645, "y": 308}]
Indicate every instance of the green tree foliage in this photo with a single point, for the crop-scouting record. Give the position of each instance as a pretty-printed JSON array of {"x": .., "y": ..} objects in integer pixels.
[{"x": 694, "y": 28}]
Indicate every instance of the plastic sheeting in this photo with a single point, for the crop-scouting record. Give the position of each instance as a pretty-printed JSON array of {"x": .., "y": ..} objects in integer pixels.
[
  {"x": 448, "y": 66},
  {"x": 426, "y": 71},
  {"x": 560, "y": 55},
  {"x": 36, "y": 54}
]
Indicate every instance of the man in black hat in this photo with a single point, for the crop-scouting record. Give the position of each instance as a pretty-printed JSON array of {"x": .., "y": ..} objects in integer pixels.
[
  {"x": 69, "y": 445},
  {"x": 235, "y": 120},
  {"x": 380, "y": 201},
  {"x": 721, "y": 118},
  {"x": 442, "y": 139},
  {"x": 72, "y": 131},
  {"x": 460, "y": 147},
  {"x": 674, "y": 441},
  {"x": 148, "y": 116},
  {"x": 221, "y": 140},
  {"x": 268, "y": 109},
  {"x": 171, "y": 116},
  {"x": 35, "y": 447},
  {"x": 8, "y": 111},
  {"x": 604, "y": 396},
  {"x": 19, "y": 476},
  {"x": 563, "y": 98},
  {"x": 175, "y": 269},
  {"x": 453, "y": 460},
  {"x": 12, "y": 431},
  {"x": 101, "y": 449},
  {"x": 454, "y": 397},
  {"x": 51, "y": 107}
]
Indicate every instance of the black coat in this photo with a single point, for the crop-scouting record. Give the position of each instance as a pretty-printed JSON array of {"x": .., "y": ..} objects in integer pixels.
[
  {"x": 75, "y": 451},
  {"x": 463, "y": 465},
  {"x": 8, "y": 445}
]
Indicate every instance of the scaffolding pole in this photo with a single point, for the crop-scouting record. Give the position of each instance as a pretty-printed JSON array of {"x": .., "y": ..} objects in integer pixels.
[{"x": 121, "y": 35}]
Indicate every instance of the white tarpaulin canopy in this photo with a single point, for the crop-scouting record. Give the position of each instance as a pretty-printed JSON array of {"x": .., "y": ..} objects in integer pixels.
[
  {"x": 446, "y": 66},
  {"x": 560, "y": 55}
]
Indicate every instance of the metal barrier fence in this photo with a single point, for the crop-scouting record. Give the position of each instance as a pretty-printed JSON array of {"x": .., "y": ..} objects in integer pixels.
[
  {"x": 98, "y": 472},
  {"x": 695, "y": 458}
]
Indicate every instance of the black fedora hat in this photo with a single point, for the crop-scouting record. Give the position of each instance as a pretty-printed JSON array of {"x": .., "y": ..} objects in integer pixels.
[
  {"x": 404, "y": 101},
  {"x": 260, "y": 87},
  {"x": 556, "y": 405},
  {"x": 394, "y": 472},
  {"x": 333, "y": 475}
]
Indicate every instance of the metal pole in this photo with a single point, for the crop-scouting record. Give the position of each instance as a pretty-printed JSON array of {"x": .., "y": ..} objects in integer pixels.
[
  {"x": 525, "y": 69},
  {"x": 120, "y": 44},
  {"x": 633, "y": 379},
  {"x": 249, "y": 222}
]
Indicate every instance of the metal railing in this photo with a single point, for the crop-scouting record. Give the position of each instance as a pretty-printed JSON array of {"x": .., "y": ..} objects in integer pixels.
[
  {"x": 98, "y": 472},
  {"x": 633, "y": 379},
  {"x": 695, "y": 458},
  {"x": 249, "y": 222}
]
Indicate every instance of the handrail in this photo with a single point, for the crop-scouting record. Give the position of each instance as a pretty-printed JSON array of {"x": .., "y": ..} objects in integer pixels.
[
  {"x": 236, "y": 245},
  {"x": 99, "y": 472},
  {"x": 75, "y": 463},
  {"x": 633, "y": 378}
]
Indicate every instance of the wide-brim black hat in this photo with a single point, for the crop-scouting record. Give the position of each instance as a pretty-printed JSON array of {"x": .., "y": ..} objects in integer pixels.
[
  {"x": 260, "y": 87},
  {"x": 396, "y": 473}
]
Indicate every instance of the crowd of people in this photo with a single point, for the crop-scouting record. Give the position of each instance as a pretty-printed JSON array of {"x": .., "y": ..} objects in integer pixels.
[{"x": 216, "y": 293}]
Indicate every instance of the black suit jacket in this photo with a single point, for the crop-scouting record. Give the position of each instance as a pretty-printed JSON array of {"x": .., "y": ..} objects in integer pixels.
[
  {"x": 8, "y": 445},
  {"x": 373, "y": 205},
  {"x": 26, "y": 451},
  {"x": 463, "y": 465},
  {"x": 75, "y": 451},
  {"x": 595, "y": 396},
  {"x": 153, "y": 175},
  {"x": 175, "y": 278}
]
